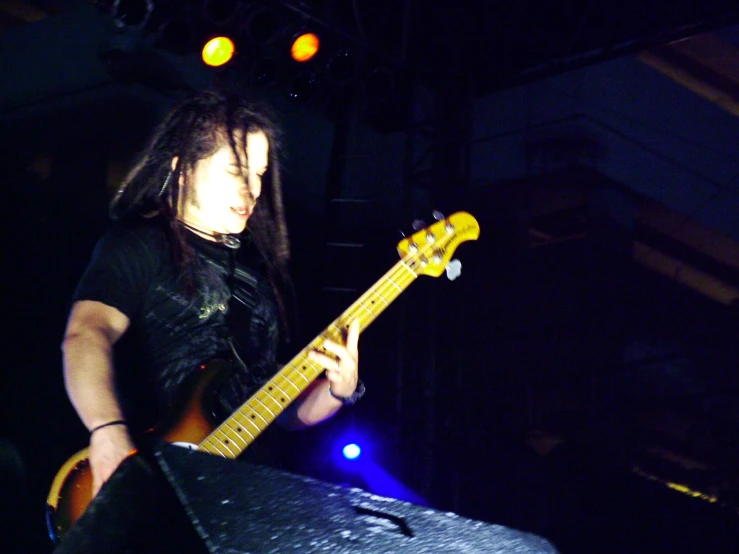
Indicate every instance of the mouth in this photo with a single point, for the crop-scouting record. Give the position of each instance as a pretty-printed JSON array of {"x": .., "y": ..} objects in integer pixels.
[{"x": 242, "y": 211}]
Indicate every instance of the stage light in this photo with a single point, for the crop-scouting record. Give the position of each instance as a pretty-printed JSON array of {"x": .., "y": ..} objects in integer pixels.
[
  {"x": 351, "y": 451},
  {"x": 220, "y": 12},
  {"x": 218, "y": 51},
  {"x": 131, "y": 13},
  {"x": 305, "y": 47}
]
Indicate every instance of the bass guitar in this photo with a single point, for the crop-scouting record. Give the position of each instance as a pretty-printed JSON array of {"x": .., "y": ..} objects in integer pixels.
[{"x": 426, "y": 252}]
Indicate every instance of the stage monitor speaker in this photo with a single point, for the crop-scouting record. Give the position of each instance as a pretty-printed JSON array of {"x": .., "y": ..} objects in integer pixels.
[
  {"x": 135, "y": 512},
  {"x": 237, "y": 507}
]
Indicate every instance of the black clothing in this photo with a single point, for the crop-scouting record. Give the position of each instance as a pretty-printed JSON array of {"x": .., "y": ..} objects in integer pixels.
[{"x": 172, "y": 331}]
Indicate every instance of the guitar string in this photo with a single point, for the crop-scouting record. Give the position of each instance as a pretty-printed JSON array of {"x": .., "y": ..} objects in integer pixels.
[
  {"x": 285, "y": 377},
  {"x": 387, "y": 281},
  {"x": 230, "y": 437},
  {"x": 348, "y": 314}
]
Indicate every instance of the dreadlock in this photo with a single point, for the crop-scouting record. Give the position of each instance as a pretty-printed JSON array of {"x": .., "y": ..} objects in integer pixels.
[{"x": 194, "y": 129}]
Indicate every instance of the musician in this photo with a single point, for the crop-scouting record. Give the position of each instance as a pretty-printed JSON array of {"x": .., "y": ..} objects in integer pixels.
[{"x": 193, "y": 267}]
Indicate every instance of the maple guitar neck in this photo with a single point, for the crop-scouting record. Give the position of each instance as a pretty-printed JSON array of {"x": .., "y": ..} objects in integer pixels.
[
  {"x": 240, "y": 429},
  {"x": 426, "y": 252}
]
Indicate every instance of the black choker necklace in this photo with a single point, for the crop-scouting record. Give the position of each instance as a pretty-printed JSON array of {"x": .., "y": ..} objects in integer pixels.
[{"x": 227, "y": 239}]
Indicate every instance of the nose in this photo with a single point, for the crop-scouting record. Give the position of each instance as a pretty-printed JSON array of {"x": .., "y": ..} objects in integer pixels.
[{"x": 254, "y": 189}]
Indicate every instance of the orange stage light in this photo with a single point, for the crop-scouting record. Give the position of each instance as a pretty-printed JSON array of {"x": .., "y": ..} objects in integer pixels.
[
  {"x": 305, "y": 47},
  {"x": 218, "y": 51}
]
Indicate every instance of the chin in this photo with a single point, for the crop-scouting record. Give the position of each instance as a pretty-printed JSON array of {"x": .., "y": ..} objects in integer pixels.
[{"x": 236, "y": 227}]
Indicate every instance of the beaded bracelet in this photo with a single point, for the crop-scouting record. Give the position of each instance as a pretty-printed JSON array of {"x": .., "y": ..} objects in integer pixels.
[{"x": 349, "y": 400}]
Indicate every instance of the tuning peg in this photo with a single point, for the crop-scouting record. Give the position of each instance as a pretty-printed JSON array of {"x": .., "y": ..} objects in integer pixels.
[
  {"x": 402, "y": 234},
  {"x": 438, "y": 216},
  {"x": 418, "y": 224},
  {"x": 453, "y": 269}
]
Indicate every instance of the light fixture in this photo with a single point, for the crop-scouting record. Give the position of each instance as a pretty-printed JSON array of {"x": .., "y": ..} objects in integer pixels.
[
  {"x": 218, "y": 51},
  {"x": 351, "y": 451},
  {"x": 304, "y": 47}
]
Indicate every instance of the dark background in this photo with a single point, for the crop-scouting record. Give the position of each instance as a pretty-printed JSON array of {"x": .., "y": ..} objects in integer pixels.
[{"x": 579, "y": 380}]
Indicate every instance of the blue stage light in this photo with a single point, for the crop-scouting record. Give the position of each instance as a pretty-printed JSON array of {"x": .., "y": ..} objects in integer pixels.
[{"x": 351, "y": 451}]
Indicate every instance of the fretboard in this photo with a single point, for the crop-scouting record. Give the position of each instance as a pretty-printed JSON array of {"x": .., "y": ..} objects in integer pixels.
[{"x": 242, "y": 428}]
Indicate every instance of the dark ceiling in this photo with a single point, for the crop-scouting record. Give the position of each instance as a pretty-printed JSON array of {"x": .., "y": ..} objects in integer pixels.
[
  {"x": 496, "y": 44},
  {"x": 488, "y": 45}
]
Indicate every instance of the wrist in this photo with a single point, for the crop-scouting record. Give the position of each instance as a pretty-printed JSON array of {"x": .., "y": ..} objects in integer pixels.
[
  {"x": 112, "y": 423},
  {"x": 349, "y": 400}
]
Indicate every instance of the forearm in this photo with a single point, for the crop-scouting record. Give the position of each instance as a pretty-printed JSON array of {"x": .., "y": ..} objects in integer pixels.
[
  {"x": 313, "y": 406},
  {"x": 89, "y": 378}
]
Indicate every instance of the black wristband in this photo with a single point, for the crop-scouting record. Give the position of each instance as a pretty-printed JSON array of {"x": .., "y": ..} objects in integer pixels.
[
  {"x": 116, "y": 422},
  {"x": 349, "y": 400}
]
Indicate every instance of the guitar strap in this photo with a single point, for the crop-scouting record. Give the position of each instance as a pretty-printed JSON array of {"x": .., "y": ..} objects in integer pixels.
[
  {"x": 243, "y": 281},
  {"x": 244, "y": 287}
]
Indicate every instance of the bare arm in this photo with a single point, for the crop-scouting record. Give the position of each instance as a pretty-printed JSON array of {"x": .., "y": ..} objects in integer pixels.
[
  {"x": 316, "y": 404},
  {"x": 313, "y": 406},
  {"x": 92, "y": 330}
]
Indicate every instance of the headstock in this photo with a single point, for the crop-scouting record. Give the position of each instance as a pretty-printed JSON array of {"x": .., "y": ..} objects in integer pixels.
[{"x": 429, "y": 250}]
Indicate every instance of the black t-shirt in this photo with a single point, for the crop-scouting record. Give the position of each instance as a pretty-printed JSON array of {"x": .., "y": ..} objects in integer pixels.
[{"x": 173, "y": 331}]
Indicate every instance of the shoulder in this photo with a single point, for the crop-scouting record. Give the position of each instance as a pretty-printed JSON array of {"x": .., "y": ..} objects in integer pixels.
[
  {"x": 139, "y": 246},
  {"x": 140, "y": 235},
  {"x": 127, "y": 259}
]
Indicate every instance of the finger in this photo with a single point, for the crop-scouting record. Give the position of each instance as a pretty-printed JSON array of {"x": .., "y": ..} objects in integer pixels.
[
  {"x": 339, "y": 350},
  {"x": 352, "y": 338},
  {"x": 327, "y": 362}
]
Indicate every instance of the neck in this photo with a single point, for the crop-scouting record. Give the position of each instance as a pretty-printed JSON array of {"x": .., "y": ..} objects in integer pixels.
[{"x": 230, "y": 240}]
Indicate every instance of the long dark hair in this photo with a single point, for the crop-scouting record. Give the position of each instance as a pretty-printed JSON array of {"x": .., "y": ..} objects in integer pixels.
[{"x": 196, "y": 128}]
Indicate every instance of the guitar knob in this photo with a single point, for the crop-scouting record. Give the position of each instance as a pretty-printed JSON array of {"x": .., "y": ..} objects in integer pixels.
[{"x": 453, "y": 269}]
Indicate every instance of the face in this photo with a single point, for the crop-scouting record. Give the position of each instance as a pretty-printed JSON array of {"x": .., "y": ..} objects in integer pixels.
[{"x": 218, "y": 199}]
